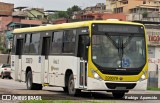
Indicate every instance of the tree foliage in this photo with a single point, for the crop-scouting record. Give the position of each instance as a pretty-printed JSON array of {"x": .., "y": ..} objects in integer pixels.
[
  {"x": 64, "y": 14},
  {"x": 71, "y": 10}
]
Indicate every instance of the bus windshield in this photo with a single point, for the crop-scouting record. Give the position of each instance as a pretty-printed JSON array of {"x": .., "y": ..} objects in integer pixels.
[{"x": 118, "y": 50}]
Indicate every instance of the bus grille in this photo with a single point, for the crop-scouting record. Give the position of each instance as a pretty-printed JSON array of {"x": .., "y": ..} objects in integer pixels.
[{"x": 115, "y": 85}]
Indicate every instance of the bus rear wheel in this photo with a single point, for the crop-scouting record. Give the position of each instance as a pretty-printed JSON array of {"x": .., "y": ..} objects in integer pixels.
[
  {"x": 71, "y": 87},
  {"x": 30, "y": 84},
  {"x": 118, "y": 95}
]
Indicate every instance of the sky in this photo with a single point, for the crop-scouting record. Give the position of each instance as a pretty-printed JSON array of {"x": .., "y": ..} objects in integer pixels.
[{"x": 54, "y": 4}]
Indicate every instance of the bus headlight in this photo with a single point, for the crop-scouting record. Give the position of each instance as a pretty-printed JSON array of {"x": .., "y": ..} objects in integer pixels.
[
  {"x": 143, "y": 77},
  {"x": 95, "y": 75}
]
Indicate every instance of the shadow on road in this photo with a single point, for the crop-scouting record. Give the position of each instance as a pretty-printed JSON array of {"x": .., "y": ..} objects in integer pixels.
[{"x": 83, "y": 95}]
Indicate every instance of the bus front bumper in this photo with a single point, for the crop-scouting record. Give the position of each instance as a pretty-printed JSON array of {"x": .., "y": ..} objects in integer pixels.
[{"x": 94, "y": 84}]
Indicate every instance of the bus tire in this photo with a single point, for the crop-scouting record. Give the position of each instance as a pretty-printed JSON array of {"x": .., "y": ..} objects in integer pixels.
[
  {"x": 38, "y": 86},
  {"x": 71, "y": 87},
  {"x": 29, "y": 81},
  {"x": 118, "y": 95},
  {"x": 30, "y": 84}
]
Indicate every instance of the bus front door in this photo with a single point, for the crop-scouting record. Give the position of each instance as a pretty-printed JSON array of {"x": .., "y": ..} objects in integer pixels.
[
  {"x": 19, "y": 49},
  {"x": 45, "y": 53},
  {"x": 83, "y": 54}
]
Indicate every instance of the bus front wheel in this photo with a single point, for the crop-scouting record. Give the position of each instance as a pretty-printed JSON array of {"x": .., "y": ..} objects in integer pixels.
[
  {"x": 118, "y": 95},
  {"x": 71, "y": 86},
  {"x": 30, "y": 84}
]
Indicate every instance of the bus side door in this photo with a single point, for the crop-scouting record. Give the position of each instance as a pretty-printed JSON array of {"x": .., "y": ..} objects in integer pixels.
[
  {"x": 83, "y": 54},
  {"x": 45, "y": 53}
]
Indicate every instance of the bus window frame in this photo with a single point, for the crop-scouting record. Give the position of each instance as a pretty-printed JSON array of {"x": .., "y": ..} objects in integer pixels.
[
  {"x": 19, "y": 36},
  {"x": 14, "y": 42},
  {"x": 52, "y": 34},
  {"x": 25, "y": 43},
  {"x": 42, "y": 35}
]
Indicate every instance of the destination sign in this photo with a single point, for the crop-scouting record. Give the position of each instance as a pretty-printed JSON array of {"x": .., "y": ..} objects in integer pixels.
[{"x": 119, "y": 28}]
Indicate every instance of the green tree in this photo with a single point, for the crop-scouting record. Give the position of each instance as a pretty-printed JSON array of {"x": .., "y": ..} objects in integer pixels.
[
  {"x": 62, "y": 14},
  {"x": 58, "y": 14},
  {"x": 71, "y": 10}
]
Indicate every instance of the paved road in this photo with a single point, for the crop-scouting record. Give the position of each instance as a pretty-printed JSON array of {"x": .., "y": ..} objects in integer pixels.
[{"x": 12, "y": 87}]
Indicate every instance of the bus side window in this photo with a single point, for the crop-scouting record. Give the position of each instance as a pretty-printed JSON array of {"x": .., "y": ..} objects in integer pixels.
[
  {"x": 69, "y": 41},
  {"x": 27, "y": 43},
  {"x": 56, "y": 45}
]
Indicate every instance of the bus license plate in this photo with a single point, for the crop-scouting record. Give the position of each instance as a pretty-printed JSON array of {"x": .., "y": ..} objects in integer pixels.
[{"x": 110, "y": 78}]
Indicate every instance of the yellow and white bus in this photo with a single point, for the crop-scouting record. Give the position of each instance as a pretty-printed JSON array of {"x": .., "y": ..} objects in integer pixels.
[{"x": 105, "y": 55}]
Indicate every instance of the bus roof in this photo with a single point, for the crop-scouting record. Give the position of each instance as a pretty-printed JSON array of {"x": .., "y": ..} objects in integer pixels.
[{"x": 68, "y": 25}]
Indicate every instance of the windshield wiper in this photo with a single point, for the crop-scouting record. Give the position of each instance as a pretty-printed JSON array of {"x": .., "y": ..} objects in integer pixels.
[
  {"x": 112, "y": 41},
  {"x": 128, "y": 40},
  {"x": 122, "y": 47}
]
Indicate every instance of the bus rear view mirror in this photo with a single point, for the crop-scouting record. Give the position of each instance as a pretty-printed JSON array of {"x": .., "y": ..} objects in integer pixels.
[{"x": 87, "y": 40}]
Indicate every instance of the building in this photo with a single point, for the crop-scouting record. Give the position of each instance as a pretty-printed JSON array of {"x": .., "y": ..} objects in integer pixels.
[
  {"x": 98, "y": 8},
  {"x": 6, "y": 9},
  {"x": 19, "y": 12},
  {"x": 97, "y": 12},
  {"x": 35, "y": 13},
  {"x": 147, "y": 10},
  {"x": 133, "y": 6},
  {"x": 103, "y": 16},
  {"x": 153, "y": 34},
  {"x": 30, "y": 14}
]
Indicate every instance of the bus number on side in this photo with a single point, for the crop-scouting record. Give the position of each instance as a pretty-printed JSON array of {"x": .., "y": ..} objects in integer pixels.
[{"x": 29, "y": 60}]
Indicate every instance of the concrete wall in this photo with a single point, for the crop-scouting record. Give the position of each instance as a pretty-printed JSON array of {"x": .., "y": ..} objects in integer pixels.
[
  {"x": 3, "y": 22},
  {"x": 119, "y": 16},
  {"x": 6, "y": 9},
  {"x": 4, "y": 58}
]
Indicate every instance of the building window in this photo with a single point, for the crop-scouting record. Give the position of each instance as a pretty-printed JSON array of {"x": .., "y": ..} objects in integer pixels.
[
  {"x": 39, "y": 16},
  {"x": 144, "y": 2},
  {"x": 125, "y": 2},
  {"x": 118, "y": 10}
]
